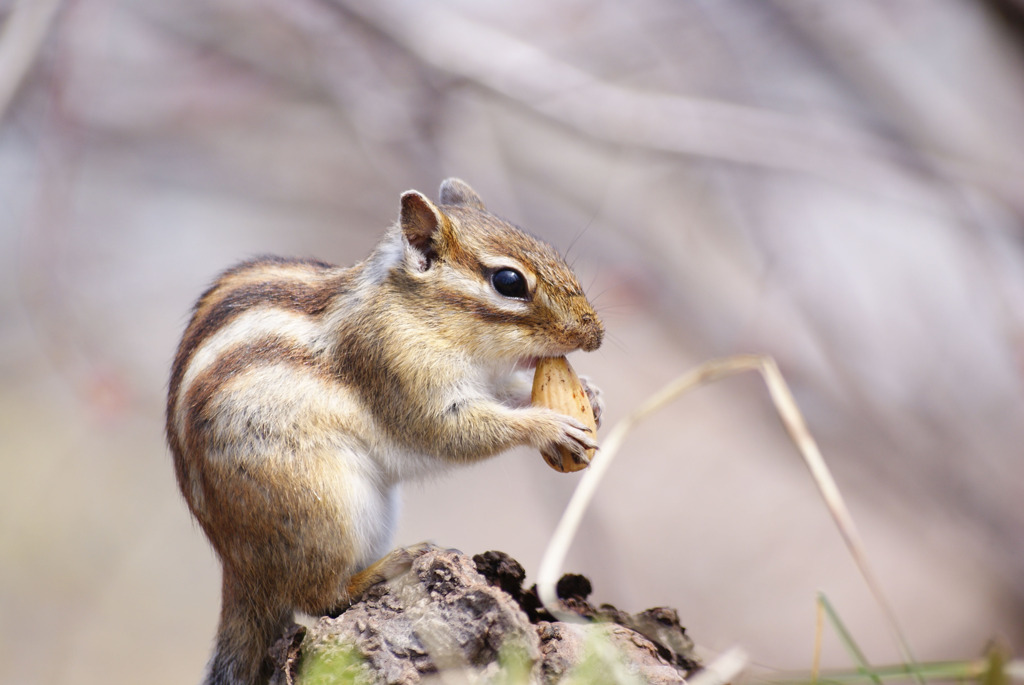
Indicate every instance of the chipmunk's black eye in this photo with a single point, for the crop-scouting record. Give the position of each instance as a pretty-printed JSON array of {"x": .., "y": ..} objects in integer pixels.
[{"x": 510, "y": 283}]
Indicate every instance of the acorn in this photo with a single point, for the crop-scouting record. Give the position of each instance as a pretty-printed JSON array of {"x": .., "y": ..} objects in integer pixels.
[{"x": 557, "y": 387}]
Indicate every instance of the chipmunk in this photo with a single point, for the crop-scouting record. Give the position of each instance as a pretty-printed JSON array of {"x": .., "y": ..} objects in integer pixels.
[{"x": 302, "y": 394}]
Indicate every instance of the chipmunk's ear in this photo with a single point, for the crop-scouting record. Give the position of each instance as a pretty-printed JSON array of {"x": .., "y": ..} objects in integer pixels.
[
  {"x": 421, "y": 221},
  {"x": 455, "y": 191}
]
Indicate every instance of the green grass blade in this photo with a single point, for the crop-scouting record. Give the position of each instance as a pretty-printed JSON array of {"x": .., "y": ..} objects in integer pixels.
[{"x": 846, "y": 638}]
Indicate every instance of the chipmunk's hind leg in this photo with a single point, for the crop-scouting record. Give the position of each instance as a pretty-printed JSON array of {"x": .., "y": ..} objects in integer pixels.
[
  {"x": 248, "y": 627},
  {"x": 391, "y": 565}
]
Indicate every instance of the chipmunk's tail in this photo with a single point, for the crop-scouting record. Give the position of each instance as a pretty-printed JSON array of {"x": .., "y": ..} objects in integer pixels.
[{"x": 248, "y": 627}]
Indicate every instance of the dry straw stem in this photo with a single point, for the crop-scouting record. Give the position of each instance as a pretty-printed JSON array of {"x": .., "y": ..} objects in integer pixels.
[{"x": 792, "y": 419}]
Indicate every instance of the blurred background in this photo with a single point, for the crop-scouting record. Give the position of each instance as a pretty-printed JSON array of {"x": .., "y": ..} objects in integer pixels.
[{"x": 839, "y": 185}]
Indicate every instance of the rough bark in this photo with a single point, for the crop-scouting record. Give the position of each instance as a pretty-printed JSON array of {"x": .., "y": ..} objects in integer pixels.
[{"x": 454, "y": 613}]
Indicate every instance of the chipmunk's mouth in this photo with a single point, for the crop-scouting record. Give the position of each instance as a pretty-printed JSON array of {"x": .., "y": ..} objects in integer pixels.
[
  {"x": 531, "y": 362},
  {"x": 527, "y": 363}
]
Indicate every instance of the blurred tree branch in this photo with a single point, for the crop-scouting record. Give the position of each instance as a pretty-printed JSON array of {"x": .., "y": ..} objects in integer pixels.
[
  {"x": 826, "y": 149},
  {"x": 20, "y": 41}
]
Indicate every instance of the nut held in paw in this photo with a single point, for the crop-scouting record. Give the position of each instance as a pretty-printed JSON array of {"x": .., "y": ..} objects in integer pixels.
[{"x": 556, "y": 386}]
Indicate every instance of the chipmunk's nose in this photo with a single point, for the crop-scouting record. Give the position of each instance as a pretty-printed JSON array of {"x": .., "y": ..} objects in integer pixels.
[{"x": 592, "y": 331}]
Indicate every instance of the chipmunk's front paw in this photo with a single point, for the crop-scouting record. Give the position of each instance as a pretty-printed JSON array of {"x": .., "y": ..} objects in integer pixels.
[
  {"x": 571, "y": 447},
  {"x": 595, "y": 396}
]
